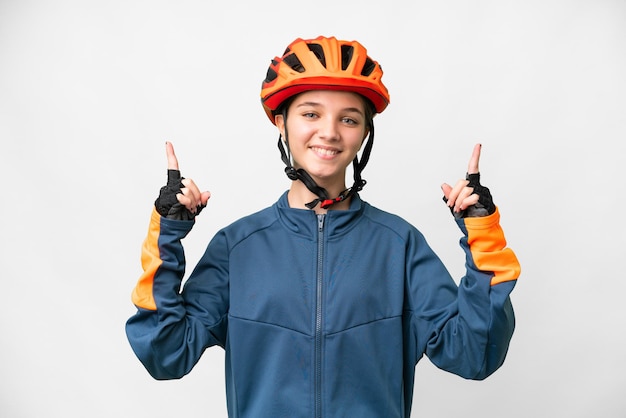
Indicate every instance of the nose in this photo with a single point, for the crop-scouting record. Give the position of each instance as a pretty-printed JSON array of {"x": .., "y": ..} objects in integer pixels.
[{"x": 328, "y": 129}]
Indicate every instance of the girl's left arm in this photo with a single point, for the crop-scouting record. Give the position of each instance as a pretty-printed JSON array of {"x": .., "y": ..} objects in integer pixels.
[{"x": 467, "y": 329}]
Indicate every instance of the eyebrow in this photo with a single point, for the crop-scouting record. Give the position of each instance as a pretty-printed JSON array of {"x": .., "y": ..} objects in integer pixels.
[{"x": 316, "y": 104}]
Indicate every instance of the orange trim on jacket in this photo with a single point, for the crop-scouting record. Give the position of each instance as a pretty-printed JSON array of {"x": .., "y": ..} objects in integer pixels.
[
  {"x": 143, "y": 295},
  {"x": 488, "y": 247}
]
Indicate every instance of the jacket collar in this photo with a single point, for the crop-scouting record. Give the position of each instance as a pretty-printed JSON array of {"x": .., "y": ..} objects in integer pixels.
[{"x": 305, "y": 221}]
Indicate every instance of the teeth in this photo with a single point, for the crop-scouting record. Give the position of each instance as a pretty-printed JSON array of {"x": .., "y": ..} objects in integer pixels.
[{"x": 324, "y": 151}]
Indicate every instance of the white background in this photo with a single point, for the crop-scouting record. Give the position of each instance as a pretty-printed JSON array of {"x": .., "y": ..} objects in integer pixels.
[{"x": 89, "y": 92}]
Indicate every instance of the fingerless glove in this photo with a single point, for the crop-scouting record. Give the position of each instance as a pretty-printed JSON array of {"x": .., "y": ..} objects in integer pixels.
[
  {"x": 167, "y": 203},
  {"x": 483, "y": 207}
]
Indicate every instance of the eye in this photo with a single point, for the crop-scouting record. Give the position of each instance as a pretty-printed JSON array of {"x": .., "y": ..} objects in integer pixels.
[
  {"x": 349, "y": 121},
  {"x": 309, "y": 115}
]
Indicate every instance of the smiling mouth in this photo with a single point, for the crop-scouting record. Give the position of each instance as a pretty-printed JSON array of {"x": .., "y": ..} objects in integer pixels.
[{"x": 324, "y": 152}]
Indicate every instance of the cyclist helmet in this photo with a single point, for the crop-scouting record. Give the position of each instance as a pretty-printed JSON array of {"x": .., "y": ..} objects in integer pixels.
[{"x": 323, "y": 64}]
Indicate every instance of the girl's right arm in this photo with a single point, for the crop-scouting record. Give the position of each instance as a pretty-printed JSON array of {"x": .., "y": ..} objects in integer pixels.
[{"x": 165, "y": 334}]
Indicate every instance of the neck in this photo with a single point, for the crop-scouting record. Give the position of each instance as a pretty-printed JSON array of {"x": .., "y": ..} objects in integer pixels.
[{"x": 299, "y": 196}]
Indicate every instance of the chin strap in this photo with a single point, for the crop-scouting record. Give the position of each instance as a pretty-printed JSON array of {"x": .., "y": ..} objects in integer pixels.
[
  {"x": 300, "y": 174},
  {"x": 322, "y": 194}
]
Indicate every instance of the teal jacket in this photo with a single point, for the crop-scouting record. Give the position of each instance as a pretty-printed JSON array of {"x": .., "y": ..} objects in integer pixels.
[{"x": 323, "y": 315}]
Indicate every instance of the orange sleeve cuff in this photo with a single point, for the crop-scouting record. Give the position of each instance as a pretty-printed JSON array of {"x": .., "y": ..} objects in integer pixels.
[
  {"x": 143, "y": 295},
  {"x": 488, "y": 248}
]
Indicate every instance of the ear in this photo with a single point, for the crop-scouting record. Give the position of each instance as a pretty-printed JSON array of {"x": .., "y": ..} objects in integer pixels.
[{"x": 280, "y": 124}]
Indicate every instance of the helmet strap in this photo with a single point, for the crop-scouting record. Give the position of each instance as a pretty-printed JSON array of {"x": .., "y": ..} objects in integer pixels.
[{"x": 321, "y": 193}]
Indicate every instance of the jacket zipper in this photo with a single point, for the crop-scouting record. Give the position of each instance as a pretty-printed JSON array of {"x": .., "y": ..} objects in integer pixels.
[{"x": 318, "y": 317}]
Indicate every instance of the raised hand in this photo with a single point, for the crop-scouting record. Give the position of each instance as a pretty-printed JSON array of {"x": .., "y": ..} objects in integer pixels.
[
  {"x": 468, "y": 198},
  {"x": 180, "y": 198}
]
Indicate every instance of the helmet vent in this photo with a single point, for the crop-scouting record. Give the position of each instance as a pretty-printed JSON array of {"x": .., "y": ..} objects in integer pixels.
[
  {"x": 271, "y": 74},
  {"x": 368, "y": 67},
  {"x": 346, "y": 55},
  {"x": 294, "y": 63},
  {"x": 319, "y": 52}
]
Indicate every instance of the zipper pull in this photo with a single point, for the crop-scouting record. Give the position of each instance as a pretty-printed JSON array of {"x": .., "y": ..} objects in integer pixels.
[{"x": 320, "y": 223}]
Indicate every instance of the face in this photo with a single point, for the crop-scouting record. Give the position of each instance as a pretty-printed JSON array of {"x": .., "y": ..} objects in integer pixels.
[{"x": 326, "y": 129}]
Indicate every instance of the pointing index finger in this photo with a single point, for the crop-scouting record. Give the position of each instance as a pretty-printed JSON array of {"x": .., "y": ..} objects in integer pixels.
[
  {"x": 472, "y": 167},
  {"x": 172, "y": 161}
]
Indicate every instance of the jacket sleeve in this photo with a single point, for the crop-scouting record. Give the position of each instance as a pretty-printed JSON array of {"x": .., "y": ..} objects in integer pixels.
[
  {"x": 168, "y": 333},
  {"x": 465, "y": 330}
]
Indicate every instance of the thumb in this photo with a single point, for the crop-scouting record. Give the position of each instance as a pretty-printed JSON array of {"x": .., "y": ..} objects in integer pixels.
[
  {"x": 204, "y": 198},
  {"x": 172, "y": 161},
  {"x": 446, "y": 189}
]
